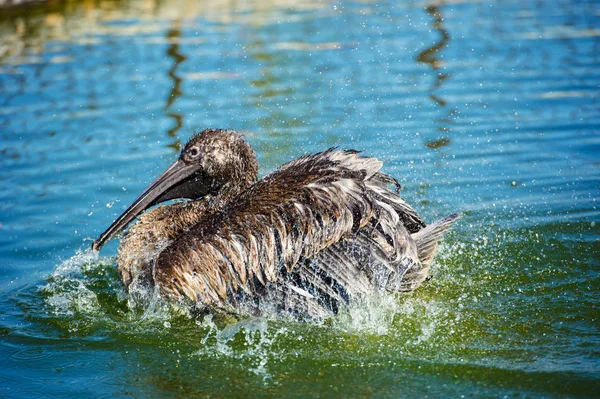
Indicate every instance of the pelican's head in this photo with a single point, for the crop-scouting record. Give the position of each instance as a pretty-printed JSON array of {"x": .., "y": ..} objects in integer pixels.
[{"x": 213, "y": 161}]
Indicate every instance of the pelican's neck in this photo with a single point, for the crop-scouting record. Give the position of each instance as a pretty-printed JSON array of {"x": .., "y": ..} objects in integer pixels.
[
  {"x": 158, "y": 227},
  {"x": 226, "y": 194}
]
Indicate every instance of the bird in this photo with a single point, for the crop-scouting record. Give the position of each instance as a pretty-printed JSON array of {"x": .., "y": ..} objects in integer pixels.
[{"x": 318, "y": 233}]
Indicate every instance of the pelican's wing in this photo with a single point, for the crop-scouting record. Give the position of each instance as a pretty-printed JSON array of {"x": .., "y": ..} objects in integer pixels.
[
  {"x": 304, "y": 207},
  {"x": 379, "y": 186}
]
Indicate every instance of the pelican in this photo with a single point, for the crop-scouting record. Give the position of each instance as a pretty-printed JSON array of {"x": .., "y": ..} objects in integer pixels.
[{"x": 316, "y": 234}]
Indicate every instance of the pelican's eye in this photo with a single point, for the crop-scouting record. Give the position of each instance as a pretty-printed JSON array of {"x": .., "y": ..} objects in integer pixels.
[{"x": 193, "y": 152}]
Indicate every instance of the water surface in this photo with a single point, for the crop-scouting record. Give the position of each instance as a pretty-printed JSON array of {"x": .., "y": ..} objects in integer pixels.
[{"x": 487, "y": 108}]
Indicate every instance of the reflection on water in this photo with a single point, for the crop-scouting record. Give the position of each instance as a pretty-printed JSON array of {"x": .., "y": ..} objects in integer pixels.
[
  {"x": 432, "y": 57},
  {"x": 490, "y": 109},
  {"x": 173, "y": 35}
]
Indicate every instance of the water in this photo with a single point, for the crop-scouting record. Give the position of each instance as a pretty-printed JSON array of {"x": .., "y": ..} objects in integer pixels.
[{"x": 490, "y": 109}]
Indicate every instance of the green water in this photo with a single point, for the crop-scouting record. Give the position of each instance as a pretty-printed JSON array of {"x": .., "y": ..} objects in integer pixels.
[{"x": 486, "y": 108}]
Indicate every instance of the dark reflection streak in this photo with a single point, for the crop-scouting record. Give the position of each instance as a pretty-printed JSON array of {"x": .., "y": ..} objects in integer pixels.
[
  {"x": 173, "y": 35},
  {"x": 430, "y": 56}
]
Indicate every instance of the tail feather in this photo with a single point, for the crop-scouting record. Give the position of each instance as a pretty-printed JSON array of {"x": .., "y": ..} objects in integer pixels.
[{"x": 427, "y": 239}]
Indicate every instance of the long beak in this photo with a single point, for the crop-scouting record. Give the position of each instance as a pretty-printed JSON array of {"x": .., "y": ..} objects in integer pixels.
[{"x": 163, "y": 188}]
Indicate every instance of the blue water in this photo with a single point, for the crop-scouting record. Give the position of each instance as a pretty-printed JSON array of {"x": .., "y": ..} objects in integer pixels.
[{"x": 487, "y": 108}]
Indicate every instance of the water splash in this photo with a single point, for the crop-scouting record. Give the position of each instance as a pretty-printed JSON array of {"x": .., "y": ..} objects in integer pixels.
[
  {"x": 84, "y": 294},
  {"x": 86, "y": 290},
  {"x": 84, "y": 297},
  {"x": 66, "y": 292},
  {"x": 250, "y": 340},
  {"x": 371, "y": 315}
]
